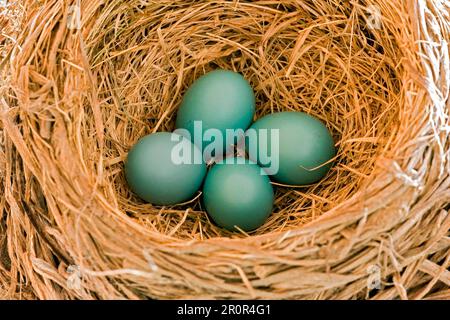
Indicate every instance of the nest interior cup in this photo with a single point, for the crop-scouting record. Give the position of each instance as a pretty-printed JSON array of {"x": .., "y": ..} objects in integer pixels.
[{"x": 89, "y": 80}]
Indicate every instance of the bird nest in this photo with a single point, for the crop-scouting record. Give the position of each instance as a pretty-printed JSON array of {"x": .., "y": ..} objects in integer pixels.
[{"x": 87, "y": 79}]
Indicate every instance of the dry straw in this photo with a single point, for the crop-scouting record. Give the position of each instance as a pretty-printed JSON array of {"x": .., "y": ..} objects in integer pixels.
[{"x": 79, "y": 94}]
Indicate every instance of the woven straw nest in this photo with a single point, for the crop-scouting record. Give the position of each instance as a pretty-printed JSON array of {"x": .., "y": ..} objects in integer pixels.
[{"x": 78, "y": 96}]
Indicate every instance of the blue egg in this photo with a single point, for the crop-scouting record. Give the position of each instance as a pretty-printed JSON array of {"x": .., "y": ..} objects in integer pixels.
[
  {"x": 218, "y": 100},
  {"x": 238, "y": 193},
  {"x": 158, "y": 172},
  {"x": 298, "y": 147}
]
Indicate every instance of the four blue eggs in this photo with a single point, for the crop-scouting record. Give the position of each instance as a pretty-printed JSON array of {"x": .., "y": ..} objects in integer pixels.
[{"x": 169, "y": 168}]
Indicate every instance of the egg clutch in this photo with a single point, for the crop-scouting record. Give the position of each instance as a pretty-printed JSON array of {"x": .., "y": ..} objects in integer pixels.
[{"x": 213, "y": 122}]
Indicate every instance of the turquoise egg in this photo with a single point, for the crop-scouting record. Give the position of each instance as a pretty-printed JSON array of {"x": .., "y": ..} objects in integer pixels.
[
  {"x": 302, "y": 151},
  {"x": 236, "y": 193},
  {"x": 165, "y": 168},
  {"x": 221, "y": 100}
]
